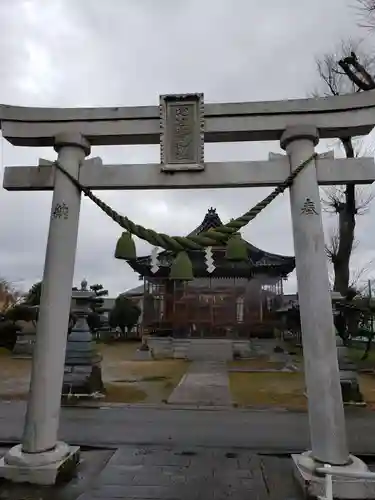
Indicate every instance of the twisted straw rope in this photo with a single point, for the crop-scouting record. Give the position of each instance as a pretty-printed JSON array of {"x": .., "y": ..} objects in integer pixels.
[{"x": 213, "y": 237}]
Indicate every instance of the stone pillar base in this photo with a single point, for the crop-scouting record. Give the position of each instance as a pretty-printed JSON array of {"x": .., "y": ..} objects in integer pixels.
[
  {"x": 313, "y": 485},
  {"x": 44, "y": 468},
  {"x": 82, "y": 381}
]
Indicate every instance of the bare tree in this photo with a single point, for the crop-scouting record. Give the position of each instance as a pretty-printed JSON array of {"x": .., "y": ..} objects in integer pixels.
[
  {"x": 367, "y": 13},
  {"x": 346, "y": 202},
  {"x": 358, "y": 275},
  {"x": 332, "y": 76},
  {"x": 8, "y": 295}
]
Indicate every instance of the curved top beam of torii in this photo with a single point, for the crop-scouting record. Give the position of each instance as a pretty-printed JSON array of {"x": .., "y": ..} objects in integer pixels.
[{"x": 347, "y": 115}]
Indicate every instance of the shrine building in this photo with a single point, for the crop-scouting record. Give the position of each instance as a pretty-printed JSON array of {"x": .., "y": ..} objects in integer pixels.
[{"x": 235, "y": 300}]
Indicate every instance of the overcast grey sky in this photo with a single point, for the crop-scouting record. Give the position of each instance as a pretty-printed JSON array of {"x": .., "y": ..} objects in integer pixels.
[{"x": 118, "y": 53}]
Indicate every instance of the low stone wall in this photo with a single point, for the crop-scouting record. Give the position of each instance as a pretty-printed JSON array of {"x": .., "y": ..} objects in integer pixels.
[{"x": 208, "y": 349}]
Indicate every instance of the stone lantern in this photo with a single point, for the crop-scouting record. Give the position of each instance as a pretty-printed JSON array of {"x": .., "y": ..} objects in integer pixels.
[{"x": 82, "y": 372}]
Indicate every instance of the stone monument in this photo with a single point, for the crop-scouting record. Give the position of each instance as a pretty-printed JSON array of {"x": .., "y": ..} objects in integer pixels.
[
  {"x": 24, "y": 346},
  {"x": 351, "y": 392},
  {"x": 26, "y": 338},
  {"x": 82, "y": 372}
]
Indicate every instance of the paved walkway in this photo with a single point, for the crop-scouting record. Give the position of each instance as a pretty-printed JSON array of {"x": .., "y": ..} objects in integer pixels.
[
  {"x": 206, "y": 383},
  {"x": 266, "y": 431},
  {"x": 203, "y": 454},
  {"x": 170, "y": 473},
  {"x": 191, "y": 474}
]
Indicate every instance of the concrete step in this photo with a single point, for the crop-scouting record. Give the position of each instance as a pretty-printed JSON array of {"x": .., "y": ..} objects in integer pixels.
[
  {"x": 193, "y": 349},
  {"x": 210, "y": 350}
]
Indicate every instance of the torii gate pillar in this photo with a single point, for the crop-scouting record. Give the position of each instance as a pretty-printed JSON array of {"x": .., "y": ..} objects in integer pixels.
[
  {"x": 326, "y": 414},
  {"x": 40, "y": 456},
  {"x": 326, "y": 411}
]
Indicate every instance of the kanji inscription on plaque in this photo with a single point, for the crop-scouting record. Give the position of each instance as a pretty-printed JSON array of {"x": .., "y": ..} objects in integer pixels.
[
  {"x": 182, "y": 131},
  {"x": 60, "y": 211},
  {"x": 308, "y": 207}
]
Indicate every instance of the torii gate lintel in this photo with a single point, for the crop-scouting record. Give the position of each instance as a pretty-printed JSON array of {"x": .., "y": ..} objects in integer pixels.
[
  {"x": 96, "y": 176},
  {"x": 339, "y": 116}
]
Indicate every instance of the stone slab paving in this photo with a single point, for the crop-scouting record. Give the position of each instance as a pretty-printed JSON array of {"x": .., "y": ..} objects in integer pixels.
[
  {"x": 194, "y": 474},
  {"x": 205, "y": 383},
  {"x": 169, "y": 473}
]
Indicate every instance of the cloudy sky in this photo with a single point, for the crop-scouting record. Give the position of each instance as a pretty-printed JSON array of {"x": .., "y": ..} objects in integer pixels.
[{"x": 128, "y": 52}]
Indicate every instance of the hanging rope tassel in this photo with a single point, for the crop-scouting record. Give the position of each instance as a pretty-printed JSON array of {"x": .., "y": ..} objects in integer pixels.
[
  {"x": 182, "y": 268},
  {"x": 125, "y": 248},
  {"x": 236, "y": 249}
]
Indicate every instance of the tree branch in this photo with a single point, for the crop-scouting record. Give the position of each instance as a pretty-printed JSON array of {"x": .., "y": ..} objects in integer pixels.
[
  {"x": 367, "y": 10},
  {"x": 360, "y": 77}
]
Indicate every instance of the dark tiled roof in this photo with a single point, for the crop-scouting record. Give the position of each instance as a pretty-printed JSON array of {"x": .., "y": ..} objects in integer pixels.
[
  {"x": 138, "y": 290},
  {"x": 256, "y": 255},
  {"x": 210, "y": 221}
]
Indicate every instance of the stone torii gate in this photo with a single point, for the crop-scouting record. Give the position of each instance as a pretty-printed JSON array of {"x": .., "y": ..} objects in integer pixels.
[{"x": 181, "y": 124}]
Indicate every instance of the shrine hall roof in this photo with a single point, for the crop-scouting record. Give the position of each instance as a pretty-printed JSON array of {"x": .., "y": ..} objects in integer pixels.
[{"x": 259, "y": 261}]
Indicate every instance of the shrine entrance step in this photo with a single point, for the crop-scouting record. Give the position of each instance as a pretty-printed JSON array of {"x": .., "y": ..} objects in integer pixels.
[
  {"x": 210, "y": 349},
  {"x": 198, "y": 349}
]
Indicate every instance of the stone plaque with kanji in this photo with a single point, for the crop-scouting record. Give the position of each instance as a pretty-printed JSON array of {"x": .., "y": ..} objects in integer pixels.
[{"x": 182, "y": 131}]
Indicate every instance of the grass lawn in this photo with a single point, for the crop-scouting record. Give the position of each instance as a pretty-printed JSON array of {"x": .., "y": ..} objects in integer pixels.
[
  {"x": 123, "y": 393},
  {"x": 261, "y": 363},
  {"x": 356, "y": 354},
  {"x": 129, "y": 381},
  {"x": 118, "y": 350},
  {"x": 14, "y": 376},
  {"x": 268, "y": 389},
  {"x": 125, "y": 380},
  {"x": 144, "y": 381},
  {"x": 367, "y": 387}
]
